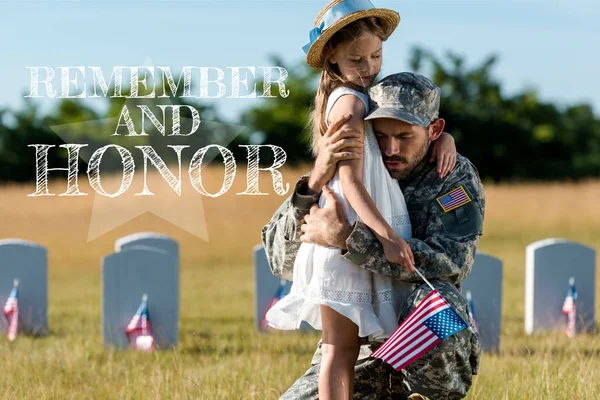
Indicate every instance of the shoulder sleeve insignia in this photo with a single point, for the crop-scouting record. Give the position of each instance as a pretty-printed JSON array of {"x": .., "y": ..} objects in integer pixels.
[{"x": 454, "y": 199}]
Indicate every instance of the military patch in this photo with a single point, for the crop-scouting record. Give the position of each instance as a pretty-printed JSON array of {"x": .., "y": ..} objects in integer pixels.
[{"x": 454, "y": 199}]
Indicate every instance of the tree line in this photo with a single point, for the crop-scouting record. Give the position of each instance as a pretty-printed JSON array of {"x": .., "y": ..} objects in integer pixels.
[{"x": 517, "y": 137}]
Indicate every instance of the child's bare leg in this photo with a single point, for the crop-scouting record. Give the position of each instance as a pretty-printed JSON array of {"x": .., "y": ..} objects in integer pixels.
[{"x": 339, "y": 349}]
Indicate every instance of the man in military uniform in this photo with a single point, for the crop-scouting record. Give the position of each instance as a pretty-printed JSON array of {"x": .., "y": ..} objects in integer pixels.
[{"x": 447, "y": 219}]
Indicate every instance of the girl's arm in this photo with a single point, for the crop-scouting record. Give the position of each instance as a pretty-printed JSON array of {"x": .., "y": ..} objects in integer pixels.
[
  {"x": 351, "y": 175},
  {"x": 444, "y": 151}
]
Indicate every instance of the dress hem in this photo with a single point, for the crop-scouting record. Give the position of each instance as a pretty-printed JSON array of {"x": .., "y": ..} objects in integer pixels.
[{"x": 293, "y": 309}]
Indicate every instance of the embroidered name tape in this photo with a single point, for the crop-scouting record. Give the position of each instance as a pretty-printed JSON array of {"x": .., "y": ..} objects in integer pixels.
[{"x": 454, "y": 199}]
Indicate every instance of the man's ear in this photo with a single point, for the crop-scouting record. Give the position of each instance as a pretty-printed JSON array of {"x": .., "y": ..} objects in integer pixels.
[{"x": 436, "y": 128}]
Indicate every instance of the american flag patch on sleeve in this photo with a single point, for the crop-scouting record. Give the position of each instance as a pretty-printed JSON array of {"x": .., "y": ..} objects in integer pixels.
[{"x": 454, "y": 199}]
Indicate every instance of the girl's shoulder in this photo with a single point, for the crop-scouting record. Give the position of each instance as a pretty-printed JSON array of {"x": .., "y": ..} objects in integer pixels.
[{"x": 342, "y": 91}]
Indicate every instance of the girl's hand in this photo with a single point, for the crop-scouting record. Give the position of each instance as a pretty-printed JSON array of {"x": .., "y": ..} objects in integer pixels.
[
  {"x": 399, "y": 252},
  {"x": 338, "y": 144},
  {"x": 444, "y": 151}
]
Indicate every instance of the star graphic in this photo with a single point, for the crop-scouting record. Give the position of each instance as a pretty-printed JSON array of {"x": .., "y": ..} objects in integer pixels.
[{"x": 109, "y": 213}]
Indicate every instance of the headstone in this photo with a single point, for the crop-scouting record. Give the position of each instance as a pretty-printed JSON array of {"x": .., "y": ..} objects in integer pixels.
[
  {"x": 266, "y": 285},
  {"x": 149, "y": 239},
  {"x": 128, "y": 275},
  {"x": 549, "y": 265},
  {"x": 27, "y": 262},
  {"x": 153, "y": 240},
  {"x": 485, "y": 285}
]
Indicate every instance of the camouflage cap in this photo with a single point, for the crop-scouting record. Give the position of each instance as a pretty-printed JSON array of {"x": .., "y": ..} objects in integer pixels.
[{"x": 407, "y": 97}]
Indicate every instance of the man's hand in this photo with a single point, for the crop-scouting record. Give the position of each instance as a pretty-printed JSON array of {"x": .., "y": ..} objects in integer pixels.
[
  {"x": 326, "y": 226},
  {"x": 335, "y": 146}
]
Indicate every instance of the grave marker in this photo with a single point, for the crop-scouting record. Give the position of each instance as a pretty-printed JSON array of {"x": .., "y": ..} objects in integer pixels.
[
  {"x": 149, "y": 239},
  {"x": 126, "y": 276},
  {"x": 549, "y": 265},
  {"x": 266, "y": 285},
  {"x": 27, "y": 262},
  {"x": 485, "y": 284}
]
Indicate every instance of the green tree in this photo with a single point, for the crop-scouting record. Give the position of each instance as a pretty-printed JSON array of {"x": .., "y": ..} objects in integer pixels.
[
  {"x": 283, "y": 121},
  {"x": 515, "y": 137}
]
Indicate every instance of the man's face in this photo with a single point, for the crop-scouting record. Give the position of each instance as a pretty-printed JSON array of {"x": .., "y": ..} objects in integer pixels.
[{"x": 403, "y": 146}]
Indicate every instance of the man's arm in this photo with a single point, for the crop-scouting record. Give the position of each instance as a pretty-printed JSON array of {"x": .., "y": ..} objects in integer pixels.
[
  {"x": 281, "y": 236},
  {"x": 447, "y": 252}
]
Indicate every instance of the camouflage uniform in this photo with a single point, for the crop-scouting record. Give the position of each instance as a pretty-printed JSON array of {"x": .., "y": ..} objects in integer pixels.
[{"x": 443, "y": 245}]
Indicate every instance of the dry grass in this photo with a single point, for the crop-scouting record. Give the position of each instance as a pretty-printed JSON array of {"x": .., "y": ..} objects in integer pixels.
[{"x": 220, "y": 355}]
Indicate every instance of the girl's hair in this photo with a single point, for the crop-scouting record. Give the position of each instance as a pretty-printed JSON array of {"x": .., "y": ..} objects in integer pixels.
[{"x": 331, "y": 78}]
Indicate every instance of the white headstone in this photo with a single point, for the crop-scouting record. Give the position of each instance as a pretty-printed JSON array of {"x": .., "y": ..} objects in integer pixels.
[
  {"x": 154, "y": 240},
  {"x": 549, "y": 265},
  {"x": 266, "y": 284},
  {"x": 150, "y": 239},
  {"x": 27, "y": 262},
  {"x": 485, "y": 284},
  {"x": 126, "y": 276}
]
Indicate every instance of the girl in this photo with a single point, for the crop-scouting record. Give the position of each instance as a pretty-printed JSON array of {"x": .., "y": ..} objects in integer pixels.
[{"x": 330, "y": 293}]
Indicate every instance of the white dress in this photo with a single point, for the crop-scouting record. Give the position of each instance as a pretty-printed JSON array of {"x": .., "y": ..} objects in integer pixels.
[{"x": 323, "y": 276}]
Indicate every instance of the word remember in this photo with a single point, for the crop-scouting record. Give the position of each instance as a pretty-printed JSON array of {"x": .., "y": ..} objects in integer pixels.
[{"x": 146, "y": 82}]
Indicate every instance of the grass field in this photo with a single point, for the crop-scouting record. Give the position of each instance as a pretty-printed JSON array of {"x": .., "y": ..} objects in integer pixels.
[{"x": 220, "y": 355}]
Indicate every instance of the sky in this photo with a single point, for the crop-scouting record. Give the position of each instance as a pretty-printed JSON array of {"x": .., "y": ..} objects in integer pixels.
[{"x": 549, "y": 45}]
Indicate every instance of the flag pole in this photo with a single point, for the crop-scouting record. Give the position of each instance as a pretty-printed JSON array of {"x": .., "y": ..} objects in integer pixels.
[
  {"x": 145, "y": 325},
  {"x": 422, "y": 277}
]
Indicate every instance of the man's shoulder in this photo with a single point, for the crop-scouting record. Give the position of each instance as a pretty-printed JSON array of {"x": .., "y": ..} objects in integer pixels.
[
  {"x": 461, "y": 205},
  {"x": 464, "y": 167},
  {"x": 465, "y": 173}
]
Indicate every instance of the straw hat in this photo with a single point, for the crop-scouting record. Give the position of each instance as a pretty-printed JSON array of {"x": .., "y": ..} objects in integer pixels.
[{"x": 331, "y": 19}]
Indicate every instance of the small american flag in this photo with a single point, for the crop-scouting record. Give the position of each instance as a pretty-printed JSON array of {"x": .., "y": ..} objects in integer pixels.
[
  {"x": 454, "y": 199},
  {"x": 139, "y": 330},
  {"x": 471, "y": 309},
  {"x": 11, "y": 311},
  {"x": 427, "y": 325},
  {"x": 279, "y": 294},
  {"x": 570, "y": 308}
]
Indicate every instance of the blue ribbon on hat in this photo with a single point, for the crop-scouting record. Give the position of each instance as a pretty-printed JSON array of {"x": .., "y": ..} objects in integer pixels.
[{"x": 335, "y": 13}]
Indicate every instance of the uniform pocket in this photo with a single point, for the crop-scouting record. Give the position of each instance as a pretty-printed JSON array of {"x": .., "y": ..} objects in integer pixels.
[{"x": 466, "y": 220}]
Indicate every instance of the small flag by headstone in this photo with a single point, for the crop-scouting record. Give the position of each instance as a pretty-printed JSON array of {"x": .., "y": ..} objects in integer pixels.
[
  {"x": 279, "y": 294},
  {"x": 11, "y": 311},
  {"x": 139, "y": 330},
  {"x": 432, "y": 321},
  {"x": 28, "y": 262},
  {"x": 471, "y": 309},
  {"x": 570, "y": 308}
]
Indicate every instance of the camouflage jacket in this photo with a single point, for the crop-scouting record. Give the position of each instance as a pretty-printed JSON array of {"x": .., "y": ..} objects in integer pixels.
[{"x": 443, "y": 243}]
